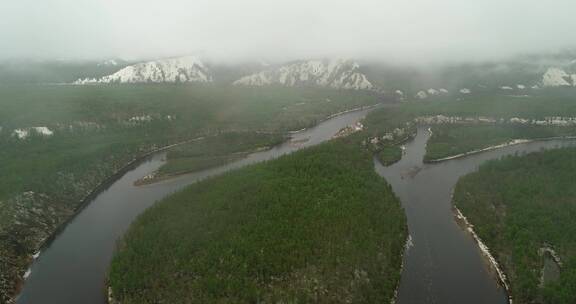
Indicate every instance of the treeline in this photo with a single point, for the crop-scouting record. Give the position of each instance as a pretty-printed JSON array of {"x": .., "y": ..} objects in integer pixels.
[
  {"x": 316, "y": 226},
  {"x": 519, "y": 205}
]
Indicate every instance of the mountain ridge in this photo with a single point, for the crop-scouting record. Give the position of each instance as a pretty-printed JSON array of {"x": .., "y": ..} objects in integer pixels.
[
  {"x": 176, "y": 69},
  {"x": 336, "y": 73}
]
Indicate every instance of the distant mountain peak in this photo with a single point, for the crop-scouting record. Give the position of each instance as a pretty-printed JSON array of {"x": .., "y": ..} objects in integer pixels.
[
  {"x": 177, "y": 69},
  {"x": 336, "y": 73},
  {"x": 557, "y": 77}
]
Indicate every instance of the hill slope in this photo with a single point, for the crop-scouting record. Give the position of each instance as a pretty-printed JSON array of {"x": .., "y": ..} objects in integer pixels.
[
  {"x": 339, "y": 74},
  {"x": 179, "y": 69}
]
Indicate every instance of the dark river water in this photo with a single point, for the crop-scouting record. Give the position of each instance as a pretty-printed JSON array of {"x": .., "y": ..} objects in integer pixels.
[
  {"x": 443, "y": 266},
  {"x": 72, "y": 269}
]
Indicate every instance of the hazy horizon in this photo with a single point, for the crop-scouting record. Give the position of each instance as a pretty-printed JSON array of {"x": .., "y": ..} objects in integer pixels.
[{"x": 417, "y": 31}]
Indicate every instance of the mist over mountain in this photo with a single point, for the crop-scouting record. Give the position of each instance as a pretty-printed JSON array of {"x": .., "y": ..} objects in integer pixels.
[{"x": 417, "y": 31}]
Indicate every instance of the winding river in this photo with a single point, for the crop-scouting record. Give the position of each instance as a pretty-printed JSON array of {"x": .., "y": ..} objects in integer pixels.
[
  {"x": 443, "y": 266},
  {"x": 72, "y": 269}
]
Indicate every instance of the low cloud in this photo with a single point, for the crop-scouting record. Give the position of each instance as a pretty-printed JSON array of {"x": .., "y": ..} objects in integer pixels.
[{"x": 392, "y": 30}]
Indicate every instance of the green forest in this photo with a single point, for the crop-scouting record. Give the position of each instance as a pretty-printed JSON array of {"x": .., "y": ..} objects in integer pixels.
[
  {"x": 531, "y": 206},
  {"x": 389, "y": 155},
  {"x": 315, "y": 226}
]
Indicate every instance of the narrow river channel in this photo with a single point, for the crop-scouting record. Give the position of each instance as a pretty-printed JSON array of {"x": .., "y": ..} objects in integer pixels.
[
  {"x": 72, "y": 269},
  {"x": 444, "y": 263}
]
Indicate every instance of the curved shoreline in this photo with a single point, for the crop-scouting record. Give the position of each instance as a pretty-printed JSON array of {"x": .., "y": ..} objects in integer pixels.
[
  {"x": 142, "y": 182},
  {"x": 84, "y": 202},
  {"x": 469, "y": 227},
  {"x": 495, "y": 147},
  {"x": 240, "y": 155},
  {"x": 107, "y": 182},
  {"x": 379, "y": 104}
]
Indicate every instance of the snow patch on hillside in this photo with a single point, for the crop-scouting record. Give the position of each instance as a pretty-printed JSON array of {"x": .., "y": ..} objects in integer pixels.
[
  {"x": 421, "y": 95},
  {"x": 338, "y": 74},
  {"x": 24, "y": 133},
  {"x": 556, "y": 77},
  {"x": 179, "y": 69}
]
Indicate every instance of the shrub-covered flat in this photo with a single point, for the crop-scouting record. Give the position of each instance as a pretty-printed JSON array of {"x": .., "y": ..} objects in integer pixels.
[
  {"x": 315, "y": 226},
  {"x": 215, "y": 150},
  {"x": 523, "y": 208}
]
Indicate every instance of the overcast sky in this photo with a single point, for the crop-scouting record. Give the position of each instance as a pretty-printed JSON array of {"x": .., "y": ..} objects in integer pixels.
[{"x": 406, "y": 30}]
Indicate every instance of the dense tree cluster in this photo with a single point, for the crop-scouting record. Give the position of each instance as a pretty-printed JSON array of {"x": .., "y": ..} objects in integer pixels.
[
  {"x": 314, "y": 226},
  {"x": 389, "y": 155},
  {"x": 518, "y": 206}
]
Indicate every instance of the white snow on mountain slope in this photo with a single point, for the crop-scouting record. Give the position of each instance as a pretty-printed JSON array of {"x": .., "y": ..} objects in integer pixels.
[
  {"x": 431, "y": 92},
  {"x": 179, "y": 69},
  {"x": 421, "y": 95},
  {"x": 109, "y": 62},
  {"x": 339, "y": 74},
  {"x": 556, "y": 77}
]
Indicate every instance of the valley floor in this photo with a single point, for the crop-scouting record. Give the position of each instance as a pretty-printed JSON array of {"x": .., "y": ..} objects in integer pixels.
[{"x": 58, "y": 143}]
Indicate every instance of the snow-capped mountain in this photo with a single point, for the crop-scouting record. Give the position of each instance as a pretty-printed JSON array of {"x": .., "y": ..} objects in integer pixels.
[
  {"x": 339, "y": 74},
  {"x": 179, "y": 69},
  {"x": 557, "y": 77}
]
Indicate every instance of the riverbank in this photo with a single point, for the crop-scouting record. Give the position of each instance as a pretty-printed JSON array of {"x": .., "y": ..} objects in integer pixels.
[
  {"x": 452, "y": 141},
  {"x": 467, "y": 226},
  {"x": 321, "y": 130},
  {"x": 500, "y": 146},
  {"x": 442, "y": 258},
  {"x": 523, "y": 209},
  {"x": 228, "y": 156},
  {"x": 156, "y": 177},
  {"x": 103, "y": 185}
]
